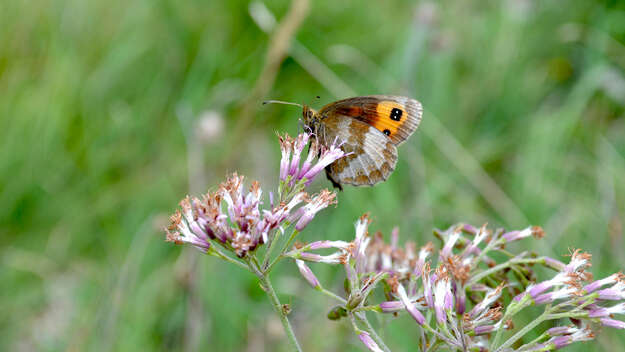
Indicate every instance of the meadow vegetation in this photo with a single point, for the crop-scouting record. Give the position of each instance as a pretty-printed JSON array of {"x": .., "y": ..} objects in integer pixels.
[{"x": 113, "y": 111}]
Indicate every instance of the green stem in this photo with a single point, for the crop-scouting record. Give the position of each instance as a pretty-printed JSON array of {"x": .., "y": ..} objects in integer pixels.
[
  {"x": 275, "y": 261},
  {"x": 542, "y": 336},
  {"x": 277, "y": 306},
  {"x": 476, "y": 278},
  {"x": 376, "y": 309},
  {"x": 267, "y": 268},
  {"x": 256, "y": 263},
  {"x": 332, "y": 294},
  {"x": 217, "y": 253},
  {"x": 527, "y": 328},
  {"x": 588, "y": 299},
  {"x": 433, "y": 345},
  {"x": 488, "y": 248},
  {"x": 424, "y": 342},
  {"x": 288, "y": 243},
  {"x": 549, "y": 314},
  {"x": 272, "y": 242},
  {"x": 442, "y": 337}
]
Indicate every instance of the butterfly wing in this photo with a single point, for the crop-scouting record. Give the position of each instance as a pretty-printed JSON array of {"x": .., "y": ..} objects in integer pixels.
[
  {"x": 373, "y": 155},
  {"x": 395, "y": 116}
]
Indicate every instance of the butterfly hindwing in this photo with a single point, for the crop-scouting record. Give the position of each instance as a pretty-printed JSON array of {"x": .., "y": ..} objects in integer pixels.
[
  {"x": 396, "y": 117},
  {"x": 373, "y": 155}
]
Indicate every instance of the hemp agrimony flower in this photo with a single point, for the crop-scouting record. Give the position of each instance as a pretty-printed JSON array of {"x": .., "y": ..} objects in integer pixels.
[
  {"x": 467, "y": 298},
  {"x": 235, "y": 220},
  {"x": 463, "y": 297}
]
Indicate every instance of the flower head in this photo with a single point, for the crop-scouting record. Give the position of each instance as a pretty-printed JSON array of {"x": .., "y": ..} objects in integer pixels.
[
  {"x": 326, "y": 157},
  {"x": 179, "y": 232},
  {"x": 443, "y": 297},
  {"x": 535, "y": 231},
  {"x": 290, "y": 170},
  {"x": 318, "y": 203},
  {"x": 452, "y": 288}
]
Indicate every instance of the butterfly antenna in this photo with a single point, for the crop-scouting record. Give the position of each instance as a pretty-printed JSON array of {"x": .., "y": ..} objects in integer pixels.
[{"x": 281, "y": 102}]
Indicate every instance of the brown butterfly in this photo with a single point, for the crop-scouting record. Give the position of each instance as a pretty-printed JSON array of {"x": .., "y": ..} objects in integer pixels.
[{"x": 371, "y": 127}]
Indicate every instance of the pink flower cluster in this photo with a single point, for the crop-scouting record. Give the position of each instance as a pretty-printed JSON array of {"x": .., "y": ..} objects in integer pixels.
[
  {"x": 466, "y": 308},
  {"x": 292, "y": 149},
  {"x": 230, "y": 216},
  {"x": 234, "y": 218}
]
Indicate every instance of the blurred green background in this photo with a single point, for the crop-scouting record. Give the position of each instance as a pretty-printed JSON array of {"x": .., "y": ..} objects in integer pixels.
[{"x": 112, "y": 111}]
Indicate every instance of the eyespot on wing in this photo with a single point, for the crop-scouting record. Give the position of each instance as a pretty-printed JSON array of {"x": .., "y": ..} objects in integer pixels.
[{"x": 395, "y": 116}]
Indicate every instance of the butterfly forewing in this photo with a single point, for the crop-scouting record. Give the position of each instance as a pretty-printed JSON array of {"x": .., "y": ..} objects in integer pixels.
[
  {"x": 373, "y": 156},
  {"x": 396, "y": 117}
]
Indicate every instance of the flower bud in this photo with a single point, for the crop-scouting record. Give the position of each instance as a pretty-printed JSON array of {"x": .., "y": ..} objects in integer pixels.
[{"x": 337, "y": 313}]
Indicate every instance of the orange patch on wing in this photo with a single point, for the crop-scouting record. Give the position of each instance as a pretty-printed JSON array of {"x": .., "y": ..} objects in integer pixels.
[{"x": 387, "y": 120}]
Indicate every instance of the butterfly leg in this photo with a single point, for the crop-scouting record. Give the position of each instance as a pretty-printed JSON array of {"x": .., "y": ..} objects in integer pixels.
[{"x": 334, "y": 183}]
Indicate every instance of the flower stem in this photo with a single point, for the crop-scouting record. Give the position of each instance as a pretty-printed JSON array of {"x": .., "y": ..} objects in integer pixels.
[
  {"x": 219, "y": 254},
  {"x": 527, "y": 328},
  {"x": 332, "y": 294},
  {"x": 281, "y": 313},
  {"x": 289, "y": 241},
  {"x": 476, "y": 278},
  {"x": 273, "y": 297},
  {"x": 488, "y": 248},
  {"x": 547, "y": 315},
  {"x": 375, "y": 308},
  {"x": 267, "y": 268},
  {"x": 272, "y": 241},
  {"x": 441, "y": 336},
  {"x": 542, "y": 337}
]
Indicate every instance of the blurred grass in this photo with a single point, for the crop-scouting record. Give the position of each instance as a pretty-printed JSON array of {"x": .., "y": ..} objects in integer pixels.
[{"x": 100, "y": 101}]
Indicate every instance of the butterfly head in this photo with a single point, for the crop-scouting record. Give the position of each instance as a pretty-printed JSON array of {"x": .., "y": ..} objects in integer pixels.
[{"x": 311, "y": 116}]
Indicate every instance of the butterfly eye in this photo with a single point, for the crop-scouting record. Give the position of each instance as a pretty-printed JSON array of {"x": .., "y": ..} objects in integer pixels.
[
  {"x": 396, "y": 114},
  {"x": 387, "y": 132}
]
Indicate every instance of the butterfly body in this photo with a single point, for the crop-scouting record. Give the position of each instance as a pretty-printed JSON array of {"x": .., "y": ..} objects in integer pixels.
[{"x": 370, "y": 128}]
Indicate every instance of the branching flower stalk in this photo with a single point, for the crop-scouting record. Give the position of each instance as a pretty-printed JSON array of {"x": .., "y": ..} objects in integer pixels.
[
  {"x": 234, "y": 225},
  {"x": 465, "y": 298}
]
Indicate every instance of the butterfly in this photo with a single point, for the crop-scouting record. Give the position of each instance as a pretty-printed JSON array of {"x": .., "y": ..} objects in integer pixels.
[{"x": 370, "y": 128}]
